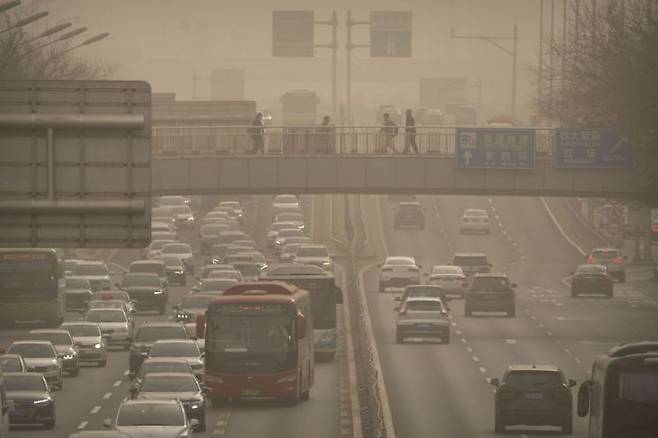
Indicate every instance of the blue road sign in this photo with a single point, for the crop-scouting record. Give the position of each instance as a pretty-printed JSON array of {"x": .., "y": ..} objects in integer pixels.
[
  {"x": 592, "y": 148},
  {"x": 495, "y": 148}
]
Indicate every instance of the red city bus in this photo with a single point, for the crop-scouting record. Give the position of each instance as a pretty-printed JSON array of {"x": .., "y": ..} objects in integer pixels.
[{"x": 258, "y": 343}]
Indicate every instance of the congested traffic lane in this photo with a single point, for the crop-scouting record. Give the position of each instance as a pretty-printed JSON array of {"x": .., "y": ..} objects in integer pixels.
[{"x": 527, "y": 247}]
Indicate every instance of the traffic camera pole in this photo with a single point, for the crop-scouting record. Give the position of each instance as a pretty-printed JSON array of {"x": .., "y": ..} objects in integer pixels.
[
  {"x": 349, "y": 47},
  {"x": 334, "y": 49}
]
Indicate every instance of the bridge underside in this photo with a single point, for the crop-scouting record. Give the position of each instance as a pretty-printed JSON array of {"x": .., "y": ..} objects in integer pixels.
[{"x": 386, "y": 174}]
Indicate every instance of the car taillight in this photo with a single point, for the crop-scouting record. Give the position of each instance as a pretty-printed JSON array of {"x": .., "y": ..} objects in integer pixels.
[
  {"x": 403, "y": 312},
  {"x": 591, "y": 259},
  {"x": 654, "y": 228},
  {"x": 619, "y": 261}
]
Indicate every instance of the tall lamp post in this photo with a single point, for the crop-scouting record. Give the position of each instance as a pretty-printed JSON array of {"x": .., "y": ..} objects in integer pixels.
[
  {"x": 493, "y": 41},
  {"x": 25, "y": 21},
  {"x": 88, "y": 41},
  {"x": 8, "y": 5},
  {"x": 66, "y": 36},
  {"x": 48, "y": 32}
]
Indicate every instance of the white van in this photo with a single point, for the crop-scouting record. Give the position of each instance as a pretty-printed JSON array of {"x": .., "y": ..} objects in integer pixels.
[{"x": 5, "y": 407}]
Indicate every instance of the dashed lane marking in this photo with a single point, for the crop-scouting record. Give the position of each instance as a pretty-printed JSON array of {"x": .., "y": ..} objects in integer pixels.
[
  {"x": 476, "y": 359},
  {"x": 95, "y": 410},
  {"x": 107, "y": 395},
  {"x": 126, "y": 372},
  {"x": 483, "y": 370},
  {"x": 459, "y": 332},
  {"x": 117, "y": 383},
  {"x": 469, "y": 349},
  {"x": 82, "y": 425},
  {"x": 463, "y": 340}
]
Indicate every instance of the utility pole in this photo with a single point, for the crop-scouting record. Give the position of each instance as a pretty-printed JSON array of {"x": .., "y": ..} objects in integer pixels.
[
  {"x": 492, "y": 40},
  {"x": 334, "y": 49},
  {"x": 540, "y": 64},
  {"x": 349, "y": 46},
  {"x": 551, "y": 69}
]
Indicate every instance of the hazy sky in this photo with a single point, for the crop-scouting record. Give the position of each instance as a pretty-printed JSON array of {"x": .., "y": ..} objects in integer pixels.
[{"x": 165, "y": 41}]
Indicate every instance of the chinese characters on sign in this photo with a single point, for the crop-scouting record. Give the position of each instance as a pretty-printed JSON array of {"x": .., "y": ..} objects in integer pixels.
[
  {"x": 589, "y": 148},
  {"x": 495, "y": 148}
]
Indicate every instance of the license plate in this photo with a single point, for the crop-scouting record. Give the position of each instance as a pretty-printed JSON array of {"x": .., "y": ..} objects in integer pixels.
[
  {"x": 250, "y": 392},
  {"x": 534, "y": 396},
  {"x": 423, "y": 326}
]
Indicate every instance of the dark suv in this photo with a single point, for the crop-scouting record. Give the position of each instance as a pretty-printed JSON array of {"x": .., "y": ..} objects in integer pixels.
[
  {"x": 409, "y": 215},
  {"x": 490, "y": 293},
  {"x": 533, "y": 395},
  {"x": 145, "y": 337},
  {"x": 472, "y": 263}
]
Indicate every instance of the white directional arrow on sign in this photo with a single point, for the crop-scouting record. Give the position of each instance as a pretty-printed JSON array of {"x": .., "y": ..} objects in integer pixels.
[
  {"x": 621, "y": 143},
  {"x": 468, "y": 156}
]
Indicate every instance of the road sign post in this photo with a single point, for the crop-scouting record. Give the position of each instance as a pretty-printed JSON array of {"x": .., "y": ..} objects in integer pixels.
[
  {"x": 390, "y": 34},
  {"x": 495, "y": 148},
  {"x": 593, "y": 148},
  {"x": 75, "y": 164}
]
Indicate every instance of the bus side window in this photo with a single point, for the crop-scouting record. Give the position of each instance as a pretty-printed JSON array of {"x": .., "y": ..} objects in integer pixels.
[{"x": 339, "y": 295}]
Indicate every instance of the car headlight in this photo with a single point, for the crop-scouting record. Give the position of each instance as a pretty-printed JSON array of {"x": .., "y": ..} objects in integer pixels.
[
  {"x": 69, "y": 356},
  {"x": 98, "y": 346},
  {"x": 287, "y": 379},
  {"x": 326, "y": 263},
  {"x": 301, "y": 226},
  {"x": 184, "y": 434},
  {"x": 157, "y": 292},
  {"x": 190, "y": 219},
  {"x": 179, "y": 272},
  {"x": 42, "y": 401},
  {"x": 195, "y": 405}
]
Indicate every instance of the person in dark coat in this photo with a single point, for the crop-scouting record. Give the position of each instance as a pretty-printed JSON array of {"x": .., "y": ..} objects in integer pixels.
[
  {"x": 390, "y": 131},
  {"x": 257, "y": 132},
  {"x": 410, "y": 133}
]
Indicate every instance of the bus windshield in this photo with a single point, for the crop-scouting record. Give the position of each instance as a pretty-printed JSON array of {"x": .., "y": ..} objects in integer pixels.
[
  {"x": 27, "y": 277},
  {"x": 260, "y": 335}
]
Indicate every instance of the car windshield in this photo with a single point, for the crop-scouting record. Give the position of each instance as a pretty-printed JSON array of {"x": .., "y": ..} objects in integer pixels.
[
  {"x": 154, "y": 333},
  {"x": 277, "y": 226},
  {"x": 169, "y": 383},
  {"x": 150, "y": 414},
  {"x": 77, "y": 283},
  {"x": 475, "y": 213},
  {"x": 176, "y": 248},
  {"x": 178, "y": 366},
  {"x": 106, "y": 315},
  {"x": 90, "y": 269},
  {"x": 424, "y": 306},
  {"x": 490, "y": 284},
  {"x": 399, "y": 261},
  {"x": 605, "y": 253},
  {"x": 10, "y": 364},
  {"x": 290, "y": 216},
  {"x": 290, "y": 232},
  {"x": 285, "y": 199},
  {"x": 592, "y": 269},
  {"x": 196, "y": 302},
  {"x": 525, "y": 379},
  {"x": 447, "y": 270},
  {"x": 248, "y": 269},
  {"x": 312, "y": 251},
  {"x": 290, "y": 248},
  {"x": 55, "y": 338},
  {"x": 25, "y": 382},
  {"x": 116, "y": 295},
  {"x": 140, "y": 280},
  {"x": 423, "y": 291},
  {"x": 149, "y": 268},
  {"x": 83, "y": 329},
  {"x": 170, "y": 259},
  {"x": 470, "y": 260},
  {"x": 218, "y": 284},
  {"x": 174, "y": 349},
  {"x": 182, "y": 209},
  {"x": 40, "y": 350},
  {"x": 161, "y": 212},
  {"x": 106, "y": 304},
  {"x": 158, "y": 244}
]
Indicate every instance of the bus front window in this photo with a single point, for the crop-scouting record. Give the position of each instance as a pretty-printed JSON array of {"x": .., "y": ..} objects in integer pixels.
[{"x": 21, "y": 279}]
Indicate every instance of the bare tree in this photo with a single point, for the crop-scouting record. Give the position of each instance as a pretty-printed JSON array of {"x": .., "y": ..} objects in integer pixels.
[{"x": 24, "y": 57}]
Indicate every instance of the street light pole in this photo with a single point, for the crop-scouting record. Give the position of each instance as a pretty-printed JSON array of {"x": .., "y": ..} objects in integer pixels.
[
  {"x": 8, "y": 5},
  {"x": 25, "y": 21},
  {"x": 492, "y": 40},
  {"x": 92, "y": 40},
  {"x": 64, "y": 37},
  {"x": 334, "y": 48},
  {"x": 349, "y": 46},
  {"x": 48, "y": 32}
]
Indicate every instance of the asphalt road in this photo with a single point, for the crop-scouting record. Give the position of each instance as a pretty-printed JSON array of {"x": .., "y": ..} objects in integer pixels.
[
  {"x": 86, "y": 400},
  {"x": 443, "y": 390}
]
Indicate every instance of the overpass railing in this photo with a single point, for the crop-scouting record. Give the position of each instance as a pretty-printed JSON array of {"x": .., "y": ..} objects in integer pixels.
[{"x": 302, "y": 140}]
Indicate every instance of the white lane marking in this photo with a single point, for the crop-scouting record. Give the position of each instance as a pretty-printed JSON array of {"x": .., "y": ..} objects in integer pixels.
[
  {"x": 221, "y": 423},
  {"x": 549, "y": 333},
  {"x": 459, "y": 332},
  {"x": 218, "y": 432},
  {"x": 107, "y": 395},
  {"x": 483, "y": 370},
  {"x": 454, "y": 324},
  {"x": 117, "y": 383},
  {"x": 504, "y": 231},
  {"x": 95, "y": 410},
  {"x": 560, "y": 229},
  {"x": 82, "y": 425},
  {"x": 476, "y": 359},
  {"x": 126, "y": 372},
  {"x": 578, "y": 361},
  {"x": 469, "y": 349},
  {"x": 463, "y": 340},
  {"x": 566, "y": 350},
  {"x": 510, "y": 341}
]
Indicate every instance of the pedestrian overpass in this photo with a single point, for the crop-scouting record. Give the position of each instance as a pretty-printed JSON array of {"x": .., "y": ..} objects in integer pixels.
[{"x": 213, "y": 160}]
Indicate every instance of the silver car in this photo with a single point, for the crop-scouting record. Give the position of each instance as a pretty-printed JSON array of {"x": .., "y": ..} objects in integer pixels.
[
  {"x": 91, "y": 345},
  {"x": 612, "y": 259},
  {"x": 115, "y": 325},
  {"x": 316, "y": 255},
  {"x": 450, "y": 278},
  {"x": 96, "y": 272},
  {"x": 422, "y": 317},
  {"x": 153, "y": 419},
  {"x": 474, "y": 220},
  {"x": 398, "y": 272},
  {"x": 185, "y": 349},
  {"x": 40, "y": 357}
]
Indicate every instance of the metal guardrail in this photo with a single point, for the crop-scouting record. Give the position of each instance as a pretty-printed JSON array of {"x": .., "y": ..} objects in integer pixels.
[{"x": 314, "y": 140}]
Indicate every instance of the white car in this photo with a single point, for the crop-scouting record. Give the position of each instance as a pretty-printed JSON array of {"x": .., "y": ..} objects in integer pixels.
[
  {"x": 274, "y": 230},
  {"x": 89, "y": 339},
  {"x": 283, "y": 235},
  {"x": 183, "y": 216},
  {"x": 115, "y": 325},
  {"x": 281, "y": 202},
  {"x": 474, "y": 220},
  {"x": 155, "y": 248},
  {"x": 96, "y": 272},
  {"x": 398, "y": 271},
  {"x": 316, "y": 255},
  {"x": 422, "y": 317},
  {"x": 153, "y": 418},
  {"x": 451, "y": 278},
  {"x": 235, "y": 205},
  {"x": 184, "y": 251},
  {"x": 295, "y": 217}
]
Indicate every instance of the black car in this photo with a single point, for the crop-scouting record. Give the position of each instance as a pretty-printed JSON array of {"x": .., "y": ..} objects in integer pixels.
[
  {"x": 490, "y": 293},
  {"x": 77, "y": 293},
  {"x": 533, "y": 395},
  {"x": 145, "y": 337},
  {"x": 33, "y": 403},
  {"x": 591, "y": 279},
  {"x": 175, "y": 268},
  {"x": 147, "y": 290},
  {"x": 409, "y": 215},
  {"x": 182, "y": 386}
]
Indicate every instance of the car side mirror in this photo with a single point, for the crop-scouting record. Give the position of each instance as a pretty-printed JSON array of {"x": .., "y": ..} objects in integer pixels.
[
  {"x": 495, "y": 381},
  {"x": 205, "y": 389},
  {"x": 584, "y": 398},
  {"x": 572, "y": 383},
  {"x": 107, "y": 422}
]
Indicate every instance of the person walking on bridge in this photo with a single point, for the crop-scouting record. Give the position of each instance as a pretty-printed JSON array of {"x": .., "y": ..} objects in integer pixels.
[
  {"x": 390, "y": 131},
  {"x": 257, "y": 132},
  {"x": 410, "y": 133}
]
